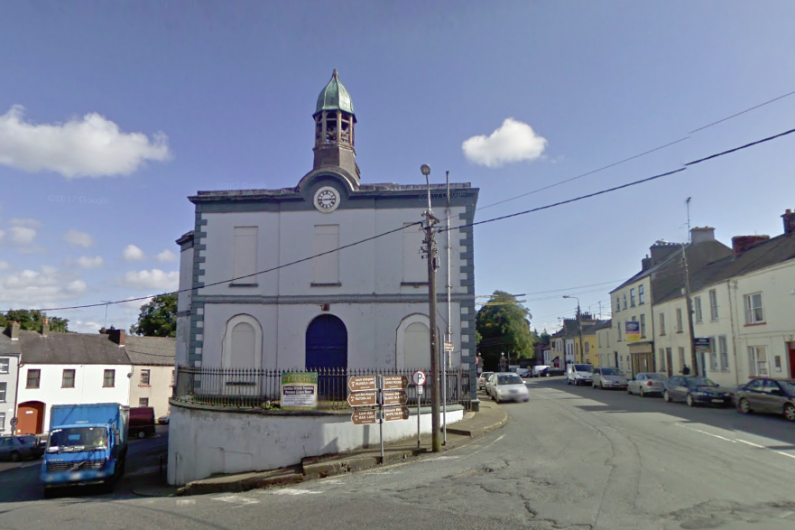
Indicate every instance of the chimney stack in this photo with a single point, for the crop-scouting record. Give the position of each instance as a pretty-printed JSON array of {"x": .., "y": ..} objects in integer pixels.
[
  {"x": 789, "y": 222},
  {"x": 702, "y": 234},
  {"x": 645, "y": 263},
  {"x": 742, "y": 243},
  {"x": 14, "y": 330},
  {"x": 45, "y": 328},
  {"x": 118, "y": 336}
]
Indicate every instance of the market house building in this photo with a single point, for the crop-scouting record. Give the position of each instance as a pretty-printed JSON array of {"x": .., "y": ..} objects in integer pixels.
[{"x": 363, "y": 307}]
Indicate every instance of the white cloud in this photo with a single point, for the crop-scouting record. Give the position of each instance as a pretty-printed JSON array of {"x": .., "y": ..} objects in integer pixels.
[
  {"x": 152, "y": 280},
  {"x": 21, "y": 235},
  {"x": 89, "y": 147},
  {"x": 33, "y": 223},
  {"x": 166, "y": 256},
  {"x": 84, "y": 326},
  {"x": 29, "y": 288},
  {"x": 514, "y": 141},
  {"x": 78, "y": 239},
  {"x": 133, "y": 253},
  {"x": 88, "y": 262},
  {"x": 4, "y": 265}
]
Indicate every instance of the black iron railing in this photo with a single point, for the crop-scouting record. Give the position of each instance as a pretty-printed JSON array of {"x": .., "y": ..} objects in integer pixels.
[{"x": 256, "y": 388}]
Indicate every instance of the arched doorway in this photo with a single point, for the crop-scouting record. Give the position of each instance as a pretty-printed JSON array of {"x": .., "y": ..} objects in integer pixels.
[
  {"x": 30, "y": 417},
  {"x": 327, "y": 352}
]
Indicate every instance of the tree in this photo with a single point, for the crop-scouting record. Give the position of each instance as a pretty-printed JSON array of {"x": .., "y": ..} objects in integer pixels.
[
  {"x": 32, "y": 320},
  {"x": 158, "y": 318},
  {"x": 504, "y": 327}
]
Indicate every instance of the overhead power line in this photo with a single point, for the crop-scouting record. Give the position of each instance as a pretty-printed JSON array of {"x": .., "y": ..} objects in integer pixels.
[
  {"x": 742, "y": 112},
  {"x": 400, "y": 229}
]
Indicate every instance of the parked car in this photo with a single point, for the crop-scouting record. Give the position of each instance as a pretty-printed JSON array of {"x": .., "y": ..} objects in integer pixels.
[
  {"x": 607, "y": 377},
  {"x": 507, "y": 386},
  {"x": 579, "y": 374},
  {"x": 540, "y": 370},
  {"x": 163, "y": 420},
  {"x": 484, "y": 377},
  {"x": 645, "y": 383},
  {"x": 767, "y": 395},
  {"x": 523, "y": 372},
  {"x": 695, "y": 390},
  {"x": 16, "y": 448},
  {"x": 142, "y": 421}
]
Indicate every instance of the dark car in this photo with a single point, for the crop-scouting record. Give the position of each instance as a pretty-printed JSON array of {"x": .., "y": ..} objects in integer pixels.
[
  {"x": 15, "y": 448},
  {"x": 767, "y": 395},
  {"x": 142, "y": 421},
  {"x": 696, "y": 390}
]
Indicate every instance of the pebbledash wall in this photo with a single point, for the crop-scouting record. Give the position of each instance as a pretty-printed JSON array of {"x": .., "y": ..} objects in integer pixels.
[{"x": 210, "y": 441}]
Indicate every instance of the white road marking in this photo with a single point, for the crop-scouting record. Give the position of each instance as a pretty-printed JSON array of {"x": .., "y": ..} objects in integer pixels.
[
  {"x": 487, "y": 446},
  {"x": 735, "y": 440},
  {"x": 291, "y": 492},
  {"x": 235, "y": 499},
  {"x": 183, "y": 502},
  {"x": 443, "y": 458}
]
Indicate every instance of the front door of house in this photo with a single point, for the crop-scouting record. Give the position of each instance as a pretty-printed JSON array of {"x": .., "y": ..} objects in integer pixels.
[
  {"x": 327, "y": 353},
  {"x": 30, "y": 417},
  {"x": 791, "y": 359}
]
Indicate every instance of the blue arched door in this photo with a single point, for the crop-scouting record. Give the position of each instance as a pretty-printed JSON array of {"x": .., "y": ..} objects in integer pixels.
[{"x": 327, "y": 353}]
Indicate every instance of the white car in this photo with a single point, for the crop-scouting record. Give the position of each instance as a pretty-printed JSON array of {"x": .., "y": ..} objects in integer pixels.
[
  {"x": 507, "y": 386},
  {"x": 579, "y": 374},
  {"x": 607, "y": 377}
]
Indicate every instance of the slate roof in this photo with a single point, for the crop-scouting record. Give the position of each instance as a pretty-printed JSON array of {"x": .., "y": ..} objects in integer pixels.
[
  {"x": 159, "y": 351},
  {"x": 7, "y": 346},
  {"x": 669, "y": 279},
  {"x": 766, "y": 254},
  {"x": 70, "y": 348}
]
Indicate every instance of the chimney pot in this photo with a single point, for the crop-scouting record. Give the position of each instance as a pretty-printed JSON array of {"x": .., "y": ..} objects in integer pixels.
[
  {"x": 700, "y": 234},
  {"x": 45, "y": 328}
]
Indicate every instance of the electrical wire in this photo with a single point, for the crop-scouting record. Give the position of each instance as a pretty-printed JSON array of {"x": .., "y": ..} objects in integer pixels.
[
  {"x": 400, "y": 229},
  {"x": 742, "y": 112}
]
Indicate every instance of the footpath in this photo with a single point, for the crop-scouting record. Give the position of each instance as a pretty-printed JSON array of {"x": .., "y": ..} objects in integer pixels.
[{"x": 475, "y": 424}]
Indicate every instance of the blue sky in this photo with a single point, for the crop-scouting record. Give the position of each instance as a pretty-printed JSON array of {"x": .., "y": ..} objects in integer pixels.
[{"x": 156, "y": 100}]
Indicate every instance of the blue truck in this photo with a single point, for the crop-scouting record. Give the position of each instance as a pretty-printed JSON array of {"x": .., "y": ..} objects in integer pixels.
[{"x": 87, "y": 444}]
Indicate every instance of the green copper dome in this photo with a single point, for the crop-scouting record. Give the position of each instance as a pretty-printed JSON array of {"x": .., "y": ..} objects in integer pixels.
[{"x": 334, "y": 97}]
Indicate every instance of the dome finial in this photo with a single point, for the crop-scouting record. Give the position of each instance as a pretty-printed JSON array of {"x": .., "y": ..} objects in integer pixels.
[{"x": 335, "y": 74}]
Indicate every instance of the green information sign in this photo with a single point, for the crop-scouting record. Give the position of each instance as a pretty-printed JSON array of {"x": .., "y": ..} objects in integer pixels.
[{"x": 299, "y": 391}]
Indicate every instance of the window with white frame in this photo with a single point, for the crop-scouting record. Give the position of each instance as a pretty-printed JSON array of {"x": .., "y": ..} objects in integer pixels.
[
  {"x": 244, "y": 258},
  {"x": 327, "y": 267},
  {"x": 662, "y": 323},
  {"x": 641, "y": 294},
  {"x": 599, "y": 337},
  {"x": 143, "y": 402},
  {"x": 643, "y": 325},
  {"x": 109, "y": 379},
  {"x": 679, "y": 324},
  {"x": 632, "y": 297},
  {"x": 662, "y": 358},
  {"x": 713, "y": 304},
  {"x": 754, "y": 314},
  {"x": 625, "y": 300},
  {"x": 145, "y": 376},
  {"x": 681, "y": 357},
  {"x": 713, "y": 355},
  {"x": 68, "y": 378},
  {"x": 618, "y": 304},
  {"x": 757, "y": 356},
  {"x": 4, "y": 365},
  {"x": 3, "y": 387},
  {"x": 699, "y": 313},
  {"x": 2, "y": 421},
  {"x": 619, "y": 331},
  {"x": 723, "y": 349}
]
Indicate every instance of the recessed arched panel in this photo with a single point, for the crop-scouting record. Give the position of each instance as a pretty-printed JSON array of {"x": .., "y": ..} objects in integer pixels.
[{"x": 242, "y": 345}]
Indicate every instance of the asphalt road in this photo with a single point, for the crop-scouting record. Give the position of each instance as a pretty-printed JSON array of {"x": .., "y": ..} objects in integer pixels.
[{"x": 571, "y": 458}]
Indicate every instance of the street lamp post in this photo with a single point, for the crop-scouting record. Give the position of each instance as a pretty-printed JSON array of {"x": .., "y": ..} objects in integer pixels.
[{"x": 579, "y": 325}]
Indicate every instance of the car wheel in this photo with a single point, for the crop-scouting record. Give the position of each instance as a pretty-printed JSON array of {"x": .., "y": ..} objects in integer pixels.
[
  {"x": 789, "y": 411},
  {"x": 15, "y": 456},
  {"x": 743, "y": 406},
  {"x": 666, "y": 397},
  {"x": 689, "y": 401},
  {"x": 642, "y": 392},
  {"x": 48, "y": 493}
]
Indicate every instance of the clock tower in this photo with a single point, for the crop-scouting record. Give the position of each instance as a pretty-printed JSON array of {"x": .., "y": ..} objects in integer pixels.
[{"x": 335, "y": 121}]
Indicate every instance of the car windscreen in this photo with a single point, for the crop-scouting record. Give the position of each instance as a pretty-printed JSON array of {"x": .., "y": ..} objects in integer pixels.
[
  {"x": 511, "y": 379},
  {"x": 609, "y": 371},
  {"x": 656, "y": 377},
  {"x": 78, "y": 439},
  {"x": 583, "y": 368},
  {"x": 700, "y": 381}
]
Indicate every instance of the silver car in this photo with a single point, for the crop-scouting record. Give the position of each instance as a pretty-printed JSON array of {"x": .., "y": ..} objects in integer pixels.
[
  {"x": 604, "y": 378},
  {"x": 645, "y": 383}
]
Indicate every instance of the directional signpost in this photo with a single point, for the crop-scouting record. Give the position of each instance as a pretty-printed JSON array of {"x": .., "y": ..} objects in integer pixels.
[{"x": 385, "y": 398}]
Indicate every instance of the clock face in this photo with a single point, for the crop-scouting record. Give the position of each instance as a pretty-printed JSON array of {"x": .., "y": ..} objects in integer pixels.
[{"x": 327, "y": 199}]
